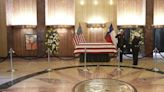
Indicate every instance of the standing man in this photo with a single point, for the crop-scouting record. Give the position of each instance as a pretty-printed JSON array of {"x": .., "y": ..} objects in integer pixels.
[
  {"x": 135, "y": 48},
  {"x": 121, "y": 43}
]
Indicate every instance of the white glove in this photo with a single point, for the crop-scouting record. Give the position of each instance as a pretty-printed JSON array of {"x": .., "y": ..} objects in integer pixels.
[{"x": 130, "y": 50}]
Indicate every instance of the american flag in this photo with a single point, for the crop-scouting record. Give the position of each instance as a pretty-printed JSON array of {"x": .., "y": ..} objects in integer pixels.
[{"x": 79, "y": 37}]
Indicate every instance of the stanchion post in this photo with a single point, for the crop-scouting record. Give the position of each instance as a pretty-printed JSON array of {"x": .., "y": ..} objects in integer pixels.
[
  {"x": 11, "y": 61},
  {"x": 118, "y": 65},
  {"x": 85, "y": 60},
  {"x": 48, "y": 52},
  {"x": 12, "y": 78},
  {"x": 155, "y": 63}
]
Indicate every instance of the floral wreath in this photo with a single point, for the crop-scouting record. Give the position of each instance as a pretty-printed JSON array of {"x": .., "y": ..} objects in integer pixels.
[
  {"x": 141, "y": 33},
  {"x": 52, "y": 41},
  {"x": 138, "y": 31}
]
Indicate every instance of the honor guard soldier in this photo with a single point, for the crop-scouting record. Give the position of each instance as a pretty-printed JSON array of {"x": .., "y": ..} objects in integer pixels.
[
  {"x": 121, "y": 43},
  {"x": 135, "y": 48}
]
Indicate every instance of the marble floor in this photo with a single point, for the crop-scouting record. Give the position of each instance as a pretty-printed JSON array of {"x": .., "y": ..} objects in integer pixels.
[{"x": 31, "y": 75}]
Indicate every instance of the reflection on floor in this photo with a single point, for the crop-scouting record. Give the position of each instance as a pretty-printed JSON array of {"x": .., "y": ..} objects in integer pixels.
[{"x": 31, "y": 75}]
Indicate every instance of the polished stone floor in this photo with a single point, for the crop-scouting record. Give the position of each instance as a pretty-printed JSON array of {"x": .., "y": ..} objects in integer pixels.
[
  {"x": 31, "y": 75},
  {"x": 103, "y": 85}
]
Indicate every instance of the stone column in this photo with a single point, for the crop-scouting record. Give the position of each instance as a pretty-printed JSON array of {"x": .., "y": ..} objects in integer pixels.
[
  {"x": 149, "y": 28},
  {"x": 3, "y": 29},
  {"x": 41, "y": 27}
]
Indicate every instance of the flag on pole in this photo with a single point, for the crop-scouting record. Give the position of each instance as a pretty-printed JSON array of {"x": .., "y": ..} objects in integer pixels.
[
  {"x": 110, "y": 35},
  {"x": 79, "y": 37}
]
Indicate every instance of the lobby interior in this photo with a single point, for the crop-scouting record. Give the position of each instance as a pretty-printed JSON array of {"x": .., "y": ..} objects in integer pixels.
[{"x": 28, "y": 67}]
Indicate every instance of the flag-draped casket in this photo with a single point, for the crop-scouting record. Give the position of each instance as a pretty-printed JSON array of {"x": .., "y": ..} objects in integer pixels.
[{"x": 94, "y": 51}]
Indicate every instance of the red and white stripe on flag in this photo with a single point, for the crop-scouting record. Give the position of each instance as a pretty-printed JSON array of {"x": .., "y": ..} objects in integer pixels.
[{"x": 78, "y": 39}]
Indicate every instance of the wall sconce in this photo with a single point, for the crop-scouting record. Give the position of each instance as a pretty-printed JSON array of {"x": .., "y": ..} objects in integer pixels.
[
  {"x": 158, "y": 26},
  {"x": 110, "y": 2},
  {"x": 96, "y": 25},
  {"x": 129, "y": 26},
  {"x": 61, "y": 26},
  {"x": 25, "y": 29},
  {"x": 29, "y": 26},
  {"x": 82, "y": 2},
  {"x": 95, "y": 2},
  {"x": 61, "y": 29},
  {"x": 23, "y": 26}
]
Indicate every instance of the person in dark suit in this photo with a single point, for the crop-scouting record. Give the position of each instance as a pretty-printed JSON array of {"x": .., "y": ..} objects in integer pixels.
[
  {"x": 121, "y": 43},
  {"x": 135, "y": 48}
]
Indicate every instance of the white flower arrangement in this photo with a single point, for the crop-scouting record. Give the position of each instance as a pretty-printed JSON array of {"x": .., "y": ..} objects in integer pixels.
[
  {"x": 52, "y": 41},
  {"x": 139, "y": 32}
]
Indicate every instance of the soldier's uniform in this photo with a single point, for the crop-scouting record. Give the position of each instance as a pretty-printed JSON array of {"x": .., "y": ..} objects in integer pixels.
[
  {"x": 121, "y": 44},
  {"x": 135, "y": 49}
]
